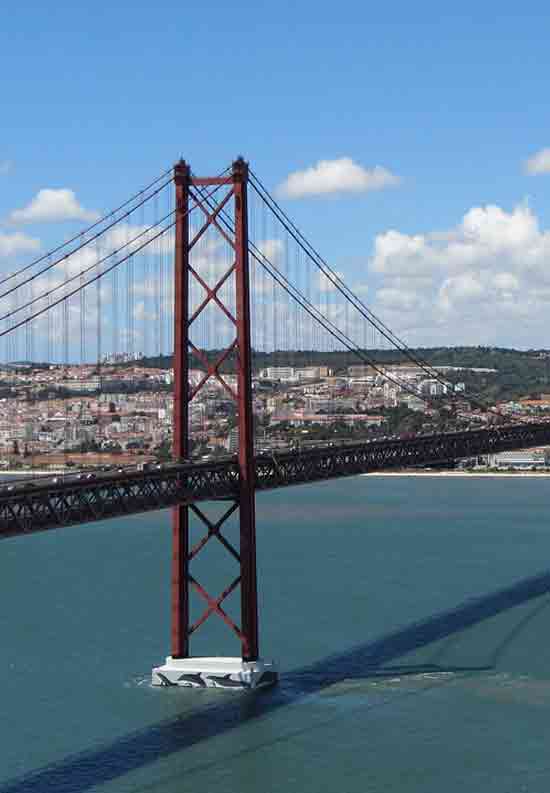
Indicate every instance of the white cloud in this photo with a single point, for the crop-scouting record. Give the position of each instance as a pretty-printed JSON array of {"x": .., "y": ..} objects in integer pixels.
[
  {"x": 332, "y": 177},
  {"x": 361, "y": 290},
  {"x": 141, "y": 314},
  {"x": 119, "y": 239},
  {"x": 506, "y": 282},
  {"x": 483, "y": 234},
  {"x": 539, "y": 162},
  {"x": 5, "y": 167},
  {"x": 272, "y": 250},
  {"x": 402, "y": 254},
  {"x": 52, "y": 206},
  {"x": 485, "y": 281},
  {"x": 72, "y": 265},
  {"x": 12, "y": 244},
  {"x": 464, "y": 288},
  {"x": 398, "y": 299},
  {"x": 130, "y": 237}
]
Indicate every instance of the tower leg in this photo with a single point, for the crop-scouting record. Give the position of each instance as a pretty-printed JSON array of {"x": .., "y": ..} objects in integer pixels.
[
  {"x": 180, "y": 575},
  {"x": 180, "y": 441},
  {"x": 181, "y": 669}
]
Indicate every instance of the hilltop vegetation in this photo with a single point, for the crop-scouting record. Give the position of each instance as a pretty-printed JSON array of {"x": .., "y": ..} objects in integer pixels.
[{"x": 518, "y": 373}]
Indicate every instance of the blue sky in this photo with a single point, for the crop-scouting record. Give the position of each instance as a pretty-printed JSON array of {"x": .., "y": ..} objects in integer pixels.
[{"x": 99, "y": 99}]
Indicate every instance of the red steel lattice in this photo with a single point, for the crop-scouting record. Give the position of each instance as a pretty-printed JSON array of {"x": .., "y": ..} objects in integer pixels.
[{"x": 188, "y": 188}]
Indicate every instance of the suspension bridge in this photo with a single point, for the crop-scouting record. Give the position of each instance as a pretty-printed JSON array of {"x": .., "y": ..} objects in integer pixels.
[{"x": 211, "y": 272}]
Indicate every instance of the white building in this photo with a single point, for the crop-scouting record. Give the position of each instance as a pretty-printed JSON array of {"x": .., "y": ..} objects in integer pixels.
[
  {"x": 308, "y": 373},
  {"x": 432, "y": 388},
  {"x": 524, "y": 458},
  {"x": 285, "y": 374}
]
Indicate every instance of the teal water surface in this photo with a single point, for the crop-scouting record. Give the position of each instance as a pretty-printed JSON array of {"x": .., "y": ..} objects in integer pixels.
[{"x": 85, "y": 614}]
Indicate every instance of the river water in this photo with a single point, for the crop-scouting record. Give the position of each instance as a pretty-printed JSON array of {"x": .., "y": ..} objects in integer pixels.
[{"x": 84, "y": 614}]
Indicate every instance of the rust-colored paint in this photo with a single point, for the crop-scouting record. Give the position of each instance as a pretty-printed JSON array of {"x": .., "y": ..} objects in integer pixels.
[
  {"x": 249, "y": 593},
  {"x": 182, "y": 579},
  {"x": 180, "y": 513}
]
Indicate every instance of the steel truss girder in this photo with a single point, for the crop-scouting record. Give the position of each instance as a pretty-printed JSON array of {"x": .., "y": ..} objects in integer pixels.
[
  {"x": 24, "y": 511},
  {"x": 68, "y": 503},
  {"x": 328, "y": 463}
]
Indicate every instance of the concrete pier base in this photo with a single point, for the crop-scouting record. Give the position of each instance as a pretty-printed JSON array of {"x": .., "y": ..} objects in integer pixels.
[{"x": 228, "y": 673}]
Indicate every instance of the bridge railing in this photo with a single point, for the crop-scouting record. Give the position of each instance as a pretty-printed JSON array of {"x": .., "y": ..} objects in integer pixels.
[{"x": 45, "y": 504}]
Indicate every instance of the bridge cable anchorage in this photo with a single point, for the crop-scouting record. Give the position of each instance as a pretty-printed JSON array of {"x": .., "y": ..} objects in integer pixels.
[
  {"x": 95, "y": 224},
  {"x": 358, "y": 304}
]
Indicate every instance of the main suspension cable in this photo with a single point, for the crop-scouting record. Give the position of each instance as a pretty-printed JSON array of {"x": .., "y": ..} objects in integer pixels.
[
  {"x": 345, "y": 290},
  {"x": 100, "y": 275},
  {"x": 94, "y": 225},
  {"x": 307, "y": 306},
  {"x": 346, "y": 340},
  {"x": 339, "y": 283},
  {"x": 86, "y": 270},
  {"x": 80, "y": 247}
]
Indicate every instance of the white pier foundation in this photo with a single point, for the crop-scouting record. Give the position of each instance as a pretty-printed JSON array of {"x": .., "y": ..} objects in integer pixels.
[{"x": 226, "y": 673}]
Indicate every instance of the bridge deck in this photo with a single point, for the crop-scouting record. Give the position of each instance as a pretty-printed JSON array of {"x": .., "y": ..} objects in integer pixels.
[{"x": 42, "y": 504}]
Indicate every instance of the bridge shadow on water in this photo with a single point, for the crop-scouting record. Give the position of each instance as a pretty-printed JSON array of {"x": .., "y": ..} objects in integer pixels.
[{"x": 371, "y": 660}]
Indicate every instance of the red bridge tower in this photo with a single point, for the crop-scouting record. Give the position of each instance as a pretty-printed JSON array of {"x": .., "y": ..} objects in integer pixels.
[{"x": 218, "y": 199}]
